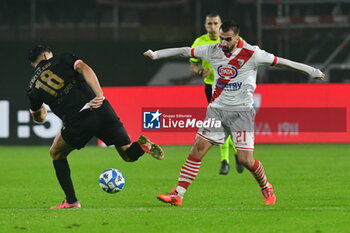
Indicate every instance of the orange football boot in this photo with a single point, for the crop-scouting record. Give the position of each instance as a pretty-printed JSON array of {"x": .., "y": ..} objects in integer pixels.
[
  {"x": 151, "y": 148},
  {"x": 269, "y": 195},
  {"x": 66, "y": 205},
  {"x": 172, "y": 198}
]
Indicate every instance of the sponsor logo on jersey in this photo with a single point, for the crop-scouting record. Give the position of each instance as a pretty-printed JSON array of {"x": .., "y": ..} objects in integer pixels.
[
  {"x": 227, "y": 71},
  {"x": 230, "y": 86}
]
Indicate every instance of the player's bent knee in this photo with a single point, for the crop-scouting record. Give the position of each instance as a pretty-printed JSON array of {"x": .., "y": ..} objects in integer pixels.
[
  {"x": 126, "y": 159},
  {"x": 200, "y": 148},
  {"x": 246, "y": 158},
  {"x": 56, "y": 154},
  {"x": 130, "y": 152},
  {"x": 55, "y": 157},
  {"x": 53, "y": 153},
  {"x": 243, "y": 161}
]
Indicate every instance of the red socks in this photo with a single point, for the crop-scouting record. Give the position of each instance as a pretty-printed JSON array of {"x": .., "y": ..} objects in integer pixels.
[
  {"x": 259, "y": 173},
  {"x": 189, "y": 171}
]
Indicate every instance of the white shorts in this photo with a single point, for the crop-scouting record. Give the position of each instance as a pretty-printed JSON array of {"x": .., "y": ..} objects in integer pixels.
[{"x": 237, "y": 123}]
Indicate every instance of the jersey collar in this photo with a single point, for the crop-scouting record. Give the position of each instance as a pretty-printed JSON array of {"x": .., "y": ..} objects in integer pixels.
[{"x": 240, "y": 43}]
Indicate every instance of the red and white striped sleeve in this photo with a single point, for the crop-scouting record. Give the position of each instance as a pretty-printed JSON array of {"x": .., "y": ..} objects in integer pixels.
[
  {"x": 275, "y": 60},
  {"x": 192, "y": 52},
  {"x": 200, "y": 51}
]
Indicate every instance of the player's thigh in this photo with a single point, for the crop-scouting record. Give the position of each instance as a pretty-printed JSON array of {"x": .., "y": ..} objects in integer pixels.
[
  {"x": 200, "y": 147},
  {"x": 60, "y": 148},
  {"x": 246, "y": 157},
  {"x": 242, "y": 130},
  {"x": 114, "y": 134},
  {"x": 111, "y": 130},
  {"x": 243, "y": 140},
  {"x": 79, "y": 131},
  {"x": 213, "y": 133}
]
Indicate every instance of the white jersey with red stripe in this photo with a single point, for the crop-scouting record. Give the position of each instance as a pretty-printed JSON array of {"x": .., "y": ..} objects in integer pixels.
[{"x": 235, "y": 73}]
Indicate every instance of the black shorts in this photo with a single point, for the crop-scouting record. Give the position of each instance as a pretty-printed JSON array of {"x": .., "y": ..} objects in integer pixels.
[{"x": 102, "y": 122}]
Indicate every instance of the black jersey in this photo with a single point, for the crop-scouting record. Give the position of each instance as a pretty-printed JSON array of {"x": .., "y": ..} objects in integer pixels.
[{"x": 56, "y": 83}]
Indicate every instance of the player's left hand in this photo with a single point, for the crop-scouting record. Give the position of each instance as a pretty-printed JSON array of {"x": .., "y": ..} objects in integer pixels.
[
  {"x": 97, "y": 102},
  {"x": 320, "y": 77}
]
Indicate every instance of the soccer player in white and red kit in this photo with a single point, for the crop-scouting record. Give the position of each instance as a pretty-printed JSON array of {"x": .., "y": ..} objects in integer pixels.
[{"x": 235, "y": 63}]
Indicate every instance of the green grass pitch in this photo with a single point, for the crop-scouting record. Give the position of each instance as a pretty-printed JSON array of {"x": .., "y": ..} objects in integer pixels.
[{"x": 312, "y": 183}]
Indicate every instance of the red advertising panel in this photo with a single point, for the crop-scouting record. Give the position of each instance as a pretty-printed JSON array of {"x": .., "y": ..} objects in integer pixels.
[
  {"x": 286, "y": 113},
  {"x": 329, "y": 101}
]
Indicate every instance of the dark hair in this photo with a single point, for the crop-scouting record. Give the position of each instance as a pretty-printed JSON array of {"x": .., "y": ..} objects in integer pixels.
[
  {"x": 213, "y": 14},
  {"x": 230, "y": 25},
  {"x": 36, "y": 51}
]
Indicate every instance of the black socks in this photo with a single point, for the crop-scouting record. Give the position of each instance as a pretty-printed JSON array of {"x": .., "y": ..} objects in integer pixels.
[
  {"x": 63, "y": 176},
  {"x": 134, "y": 152}
]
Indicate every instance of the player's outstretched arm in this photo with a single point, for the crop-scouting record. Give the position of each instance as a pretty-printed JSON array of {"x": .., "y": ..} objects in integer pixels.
[
  {"x": 91, "y": 79},
  {"x": 164, "y": 53},
  {"x": 40, "y": 114},
  {"x": 309, "y": 70}
]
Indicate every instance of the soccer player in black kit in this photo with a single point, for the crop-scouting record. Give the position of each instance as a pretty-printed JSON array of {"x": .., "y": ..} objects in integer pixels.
[{"x": 71, "y": 89}]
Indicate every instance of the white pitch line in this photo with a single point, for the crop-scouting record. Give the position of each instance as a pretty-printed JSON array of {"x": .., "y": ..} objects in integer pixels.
[{"x": 269, "y": 208}]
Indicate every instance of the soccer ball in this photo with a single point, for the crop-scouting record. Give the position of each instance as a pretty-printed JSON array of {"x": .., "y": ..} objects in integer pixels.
[{"x": 112, "y": 180}]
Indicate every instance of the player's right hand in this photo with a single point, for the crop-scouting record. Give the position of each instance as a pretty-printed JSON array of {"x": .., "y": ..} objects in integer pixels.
[
  {"x": 206, "y": 73},
  {"x": 97, "y": 102},
  {"x": 149, "y": 53}
]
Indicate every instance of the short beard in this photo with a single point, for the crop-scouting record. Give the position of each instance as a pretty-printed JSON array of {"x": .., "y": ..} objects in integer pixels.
[{"x": 226, "y": 49}]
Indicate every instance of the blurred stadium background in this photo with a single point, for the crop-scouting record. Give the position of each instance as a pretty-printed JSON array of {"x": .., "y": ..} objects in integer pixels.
[{"x": 111, "y": 35}]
